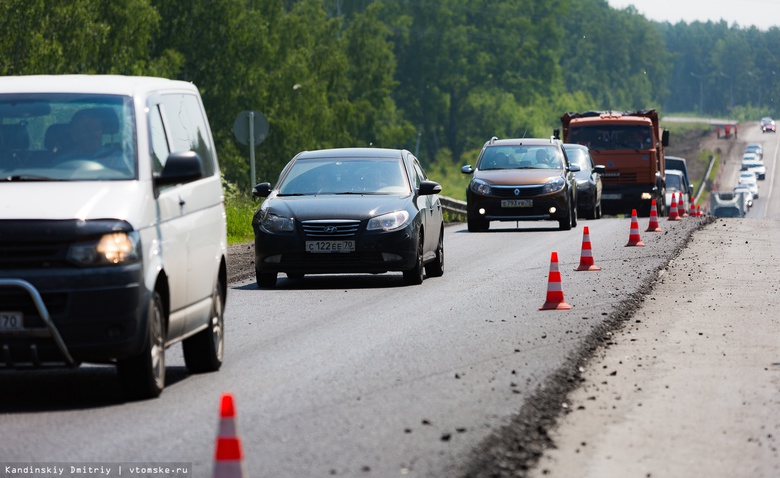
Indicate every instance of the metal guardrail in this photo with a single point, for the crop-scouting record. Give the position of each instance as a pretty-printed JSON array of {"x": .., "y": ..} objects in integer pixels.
[{"x": 454, "y": 207}]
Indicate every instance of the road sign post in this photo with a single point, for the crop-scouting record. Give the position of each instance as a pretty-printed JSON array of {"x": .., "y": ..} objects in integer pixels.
[{"x": 251, "y": 128}]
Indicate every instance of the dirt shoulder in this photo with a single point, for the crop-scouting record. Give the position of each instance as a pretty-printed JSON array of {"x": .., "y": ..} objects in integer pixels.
[{"x": 686, "y": 389}]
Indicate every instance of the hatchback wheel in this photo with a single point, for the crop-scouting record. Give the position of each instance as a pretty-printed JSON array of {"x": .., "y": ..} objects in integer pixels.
[
  {"x": 414, "y": 276},
  {"x": 143, "y": 376},
  {"x": 477, "y": 223},
  {"x": 203, "y": 352}
]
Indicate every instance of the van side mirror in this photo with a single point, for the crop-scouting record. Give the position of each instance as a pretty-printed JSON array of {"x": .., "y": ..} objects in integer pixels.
[{"x": 180, "y": 167}]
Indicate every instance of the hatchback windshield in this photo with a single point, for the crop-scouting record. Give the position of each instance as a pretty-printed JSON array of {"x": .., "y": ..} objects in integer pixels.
[
  {"x": 521, "y": 157},
  {"x": 66, "y": 137},
  {"x": 344, "y": 176}
]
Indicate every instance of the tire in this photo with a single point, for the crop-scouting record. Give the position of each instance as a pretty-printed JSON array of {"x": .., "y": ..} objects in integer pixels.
[
  {"x": 414, "y": 276},
  {"x": 143, "y": 376},
  {"x": 477, "y": 224},
  {"x": 436, "y": 267},
  {"x": 565, "y": 223},
  {"x": 574, "y": 216},
  {"x": 265, "y": 280},
  {"x": 203, "y": 352}
]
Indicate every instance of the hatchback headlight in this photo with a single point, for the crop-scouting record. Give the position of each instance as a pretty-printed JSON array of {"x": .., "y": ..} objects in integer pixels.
[
  {"x": 388, "y": 222},
  {"x": 479, "y": 186},
  {"x": 118, "y": 248},
  {"x": 553, "y": 185}
]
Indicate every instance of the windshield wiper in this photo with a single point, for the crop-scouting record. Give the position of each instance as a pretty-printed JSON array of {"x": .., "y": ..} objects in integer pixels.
[{"x": 28, "y": 177}]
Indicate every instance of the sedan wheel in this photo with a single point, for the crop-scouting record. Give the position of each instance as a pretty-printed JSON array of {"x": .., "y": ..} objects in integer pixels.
[
  {"x": 143, "y": 376},
  {"x": 203, "y": 352},
  {"x": 265, "y": 280},
  {"x": 436, "y": 267},
  {"x": 414, "y": 276}
]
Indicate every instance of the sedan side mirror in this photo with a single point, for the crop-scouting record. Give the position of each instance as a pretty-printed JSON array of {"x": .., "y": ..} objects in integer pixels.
[
  {"x": 261, "y": 190},
  {"x": 429, "y": 187},
  {"x": 467, "y": 169},
  {"x": 599, "y": 169}
]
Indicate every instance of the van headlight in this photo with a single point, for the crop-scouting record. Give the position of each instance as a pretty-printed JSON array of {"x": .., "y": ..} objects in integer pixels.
[{"x": 117, "y": 248}]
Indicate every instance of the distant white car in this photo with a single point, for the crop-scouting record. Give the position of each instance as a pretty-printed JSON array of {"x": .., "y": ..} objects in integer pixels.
[
  {"x": 742, "y": 189},
  {"x": 756, "y": 167},
  {"x": 756, "y": 149},
  {"x": 748, "y": 178}
]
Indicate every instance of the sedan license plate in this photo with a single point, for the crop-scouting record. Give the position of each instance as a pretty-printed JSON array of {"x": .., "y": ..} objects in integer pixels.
[
  {"x": 517, "y": 203},
  {"x": 11, "y": 321},
  {"x": 337, "y": 247}
]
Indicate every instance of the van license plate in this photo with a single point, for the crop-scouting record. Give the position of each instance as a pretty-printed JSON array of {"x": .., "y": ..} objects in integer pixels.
[
  {"x": 11, "y": 321},
  {"x": 337, "y": 247},
  {"x": 517, "y": 203}
]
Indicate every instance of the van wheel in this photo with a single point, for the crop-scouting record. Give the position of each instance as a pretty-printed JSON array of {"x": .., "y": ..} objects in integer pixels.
[
  {"x": 143, "y": 376},
  {"x": 203, "y": 351},
  {"x": 414, "y": 276}
]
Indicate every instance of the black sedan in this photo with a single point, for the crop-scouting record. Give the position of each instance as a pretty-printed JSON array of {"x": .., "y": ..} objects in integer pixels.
[
  {"x": 589, "y": 185},
  {"x": 349, "y": 210}
]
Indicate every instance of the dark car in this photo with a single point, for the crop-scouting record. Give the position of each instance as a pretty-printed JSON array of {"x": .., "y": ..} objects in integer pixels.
[
  {"x": 588, "y": 180},
  {"x": 680, "y": 164},
  {"x": 768, "y": 125},
  {"x": 349, "y": 210},
  {"x": 527, "y": 179}
]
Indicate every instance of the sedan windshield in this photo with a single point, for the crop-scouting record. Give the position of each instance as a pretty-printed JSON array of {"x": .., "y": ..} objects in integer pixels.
[
  {"x": 345, "y": 176},
  {"x": 66, "y": 137}
]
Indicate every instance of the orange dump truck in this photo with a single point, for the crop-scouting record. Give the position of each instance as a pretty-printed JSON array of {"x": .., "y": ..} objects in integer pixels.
[{"x": 631, "y": 146}]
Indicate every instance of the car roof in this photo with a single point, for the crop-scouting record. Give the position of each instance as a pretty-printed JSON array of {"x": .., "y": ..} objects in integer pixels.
[
  {"x": 575, "y": 146},
  {"x": 89, "y": 84},
  {"x": 523, "y": 141},
  {"x": 675, "y": 172},
  {"x": 353, "y": 153}
]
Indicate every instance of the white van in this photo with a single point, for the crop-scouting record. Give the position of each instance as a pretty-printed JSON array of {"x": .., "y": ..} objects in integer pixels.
[{"x": 113, "y": 236}]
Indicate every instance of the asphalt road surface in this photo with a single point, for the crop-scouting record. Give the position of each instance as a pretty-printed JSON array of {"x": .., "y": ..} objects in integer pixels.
[{"x": 359, "y": 376}]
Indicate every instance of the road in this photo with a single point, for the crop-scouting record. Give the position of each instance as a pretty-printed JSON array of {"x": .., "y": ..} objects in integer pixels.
[{"x": 358, "y": 376}]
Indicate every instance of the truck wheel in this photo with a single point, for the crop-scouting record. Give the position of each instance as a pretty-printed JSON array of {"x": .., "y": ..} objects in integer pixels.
[
  {"x": 203, "y": 351},
  {"x": 143, "y": 376}
]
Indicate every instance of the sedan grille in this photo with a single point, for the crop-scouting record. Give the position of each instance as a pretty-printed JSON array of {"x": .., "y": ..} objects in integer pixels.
[{"x": 330, "y": 228}]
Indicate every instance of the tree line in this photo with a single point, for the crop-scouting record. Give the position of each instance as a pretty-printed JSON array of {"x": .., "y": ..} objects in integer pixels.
[{"x": 435, "y": 77}]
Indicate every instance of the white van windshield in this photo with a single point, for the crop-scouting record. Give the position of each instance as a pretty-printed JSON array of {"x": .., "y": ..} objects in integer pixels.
[{"x": 66, "y": 137}]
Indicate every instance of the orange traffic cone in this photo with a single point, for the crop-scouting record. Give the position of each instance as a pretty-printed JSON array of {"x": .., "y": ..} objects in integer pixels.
[
  {"x": 633, "y": 238},
  {"x": 692, "y": 208},
  {"x": 554, "y": 291},
  {"x": 228, "y": 454},
  {"x": 653, "y": 226},
  {"x": 698, "y": 211},
  {"x": 681, "y": 207},
  {"x": 673, "y": 214},
  {"x": 586, "y": 257}
]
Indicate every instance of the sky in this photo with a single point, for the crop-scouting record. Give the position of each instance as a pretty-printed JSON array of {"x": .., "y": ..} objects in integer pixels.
[{"x": 760, "y": 13}]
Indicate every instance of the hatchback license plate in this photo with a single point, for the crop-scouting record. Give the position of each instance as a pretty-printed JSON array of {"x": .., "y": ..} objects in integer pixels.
[
  {"x": 517, "y": 203},
  {"x": 11, "y": 321},
  {"x": 331, "y": 247}
]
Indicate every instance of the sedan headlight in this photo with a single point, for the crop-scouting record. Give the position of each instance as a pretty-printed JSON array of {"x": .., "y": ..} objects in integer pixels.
[
  {"x": 274, "y": 224},
  {"x": 118, "y": 248},
  {"x": 479, "y": 186},
  {"x": 388, "y": 222},
  {"x": 553, "y": 185}
]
